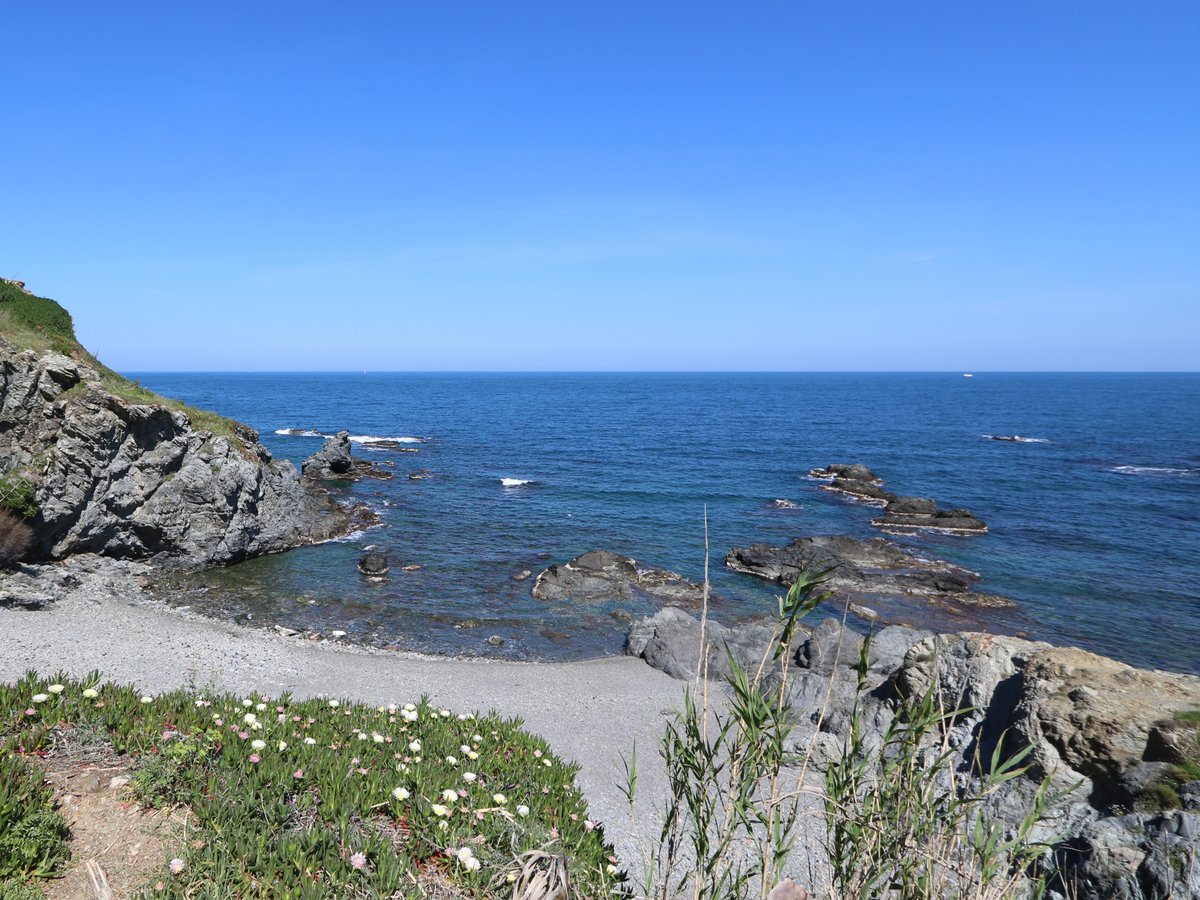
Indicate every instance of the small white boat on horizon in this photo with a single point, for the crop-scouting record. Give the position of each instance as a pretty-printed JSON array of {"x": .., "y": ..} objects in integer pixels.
[{"x": 967, "y": 375}]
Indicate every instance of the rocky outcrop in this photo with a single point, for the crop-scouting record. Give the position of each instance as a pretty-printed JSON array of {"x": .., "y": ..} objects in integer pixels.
[
  {"x": 877, "y": 578},
  {"x": 133, "y": 479},
  {"x": 604, "y": 575},
  {"x": 335, "y": 461},
  {"x": 1119, "y": 747},
  {"x": 902, "y": 515}
]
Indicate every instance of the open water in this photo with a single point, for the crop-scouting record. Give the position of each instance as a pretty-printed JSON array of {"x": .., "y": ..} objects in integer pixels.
[{"x": 1094, "y": 526}]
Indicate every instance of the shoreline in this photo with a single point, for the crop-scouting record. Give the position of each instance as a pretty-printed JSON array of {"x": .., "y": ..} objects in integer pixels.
[{"x": 591, "y": 712}]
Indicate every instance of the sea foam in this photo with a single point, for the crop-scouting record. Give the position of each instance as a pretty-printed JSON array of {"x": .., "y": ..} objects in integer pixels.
[
  {"x": 1154, "y": 471},
  {"x": 516, "y": 482}
]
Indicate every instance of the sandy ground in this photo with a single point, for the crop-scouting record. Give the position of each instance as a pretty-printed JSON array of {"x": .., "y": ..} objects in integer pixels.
[{"x": 590, "y": 712}]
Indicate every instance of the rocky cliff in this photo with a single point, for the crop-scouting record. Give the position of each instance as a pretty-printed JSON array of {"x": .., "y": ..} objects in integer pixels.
[{"x": 118, "y": 471}]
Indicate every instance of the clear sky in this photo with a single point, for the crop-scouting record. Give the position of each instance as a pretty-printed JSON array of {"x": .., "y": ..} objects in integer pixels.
[{"x": 607, "y": 185}]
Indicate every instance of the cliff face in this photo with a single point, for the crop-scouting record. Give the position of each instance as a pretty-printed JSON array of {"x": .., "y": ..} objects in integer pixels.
[{"x": 124, "y": 474}]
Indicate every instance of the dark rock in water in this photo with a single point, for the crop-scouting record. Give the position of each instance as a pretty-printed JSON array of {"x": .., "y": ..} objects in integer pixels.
[
  {"x": 394, "y": 446},
  {"x": 903, "y": 515},
  {"x": 916, "y": 506},
  {"x": 373, "y": 564},
  {"x": 522, "y": 575},
  {"x": 335, "y": 462},
  {"x": 333, "y": 459},
  {"x": 874, "y": 569},
  {"x": 849, "y": 471},
  {"x": 420, "y": 475},
  {"x": 909, "y": 514},
  {"x": 670, "y": 641},
  {"x": 604, "y": 575}
]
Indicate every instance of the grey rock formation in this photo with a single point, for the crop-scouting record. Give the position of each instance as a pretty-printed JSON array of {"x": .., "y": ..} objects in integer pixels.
[
  {"x": 670, "y": 641},
  {"x": 127, "y": 479},
  {"x": 876, "y": 575},
  {"x": 1113, "y": 742},
  {"x": 902, "y": 515},
  {"x": 604, "y": 575},
  {"x": 335, "y": 461}
]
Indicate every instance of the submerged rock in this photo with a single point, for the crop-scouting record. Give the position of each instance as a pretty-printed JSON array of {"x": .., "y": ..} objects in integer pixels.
[
  {"x": 902, "y": 515},
  {"x": 373, "y": 564},
  {"x": 604, "y": 575}
]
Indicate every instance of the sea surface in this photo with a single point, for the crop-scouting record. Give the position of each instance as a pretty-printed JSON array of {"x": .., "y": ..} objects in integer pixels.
[{"x": 1094, "y": 526}]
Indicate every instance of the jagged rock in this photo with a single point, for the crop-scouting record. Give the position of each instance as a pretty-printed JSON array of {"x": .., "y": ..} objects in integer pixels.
[
  {"x": 333, "y": 459},
  {"x": 137, "y": 480},
  {"x": 902, "y": 515},
  {"x": 604, "y": 575}
]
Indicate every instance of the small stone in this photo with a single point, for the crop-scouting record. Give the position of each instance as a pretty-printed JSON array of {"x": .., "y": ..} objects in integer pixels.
[
  {"x": 337, "y": 634},
  {"x": 118, "y": 781},
  {"x": 495, "y": 640},
  {"x": 522, "y": 575}
]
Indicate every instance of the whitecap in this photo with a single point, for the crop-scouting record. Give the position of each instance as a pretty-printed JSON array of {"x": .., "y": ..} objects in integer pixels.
[
  {"x": 1159, "y": 471},
  {"x": 376, "y": 439},
  {"x": 298, "y": 432},
  {"x": 1016, "y": 439},
  {"x": 516, "y": 482}
]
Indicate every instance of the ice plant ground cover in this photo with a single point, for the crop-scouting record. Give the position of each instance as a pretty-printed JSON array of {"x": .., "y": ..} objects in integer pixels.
[{"x": 306, "y": 798}]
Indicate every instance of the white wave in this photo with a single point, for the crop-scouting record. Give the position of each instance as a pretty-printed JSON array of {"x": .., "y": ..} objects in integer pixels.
[
  {"x": 368, "y": 439},
  {"x": 785, "y": 504},
  {"x": 1161, "y": 471},
  {"x": 298, "y": 432},
  {"x": 516, "y": 482},
  {"x": 1016, "y": 439}
]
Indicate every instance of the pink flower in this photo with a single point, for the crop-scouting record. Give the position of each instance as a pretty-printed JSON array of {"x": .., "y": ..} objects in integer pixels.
[
  {"x": 243, "y": 735},
  {"x": 299, "y": 773},
  {"x": 175, "y": 865},
  {"x": 358, "y": 860},
  {"x": 31, "y": 711},
  {"x": 254, "y": 757},
  {"x": 167, "y": 735}
]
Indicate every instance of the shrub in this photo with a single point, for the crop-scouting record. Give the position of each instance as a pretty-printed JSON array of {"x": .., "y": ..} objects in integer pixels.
[
  {"x": 16, "y": 537},
  {"x": 18, "y": 495},
  {"x": 26, "y": 312}
]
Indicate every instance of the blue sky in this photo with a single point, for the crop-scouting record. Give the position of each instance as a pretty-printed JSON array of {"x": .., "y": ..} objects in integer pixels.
[{"x": 584, "y": 186}]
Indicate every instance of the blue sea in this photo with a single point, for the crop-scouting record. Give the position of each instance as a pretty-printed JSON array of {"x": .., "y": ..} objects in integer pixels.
[{"x": 1094, "y": 526}]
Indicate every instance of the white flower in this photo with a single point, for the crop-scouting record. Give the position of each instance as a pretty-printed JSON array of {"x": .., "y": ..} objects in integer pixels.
[
  {"x": 282, "y": 746},
  {"x": 410, "y": 715},
  {"x": 256, "y": 726},
  {"x": 40, "y": 698},
  {"x": 408, "y": 707},
  {"x": 310, "y": 741},
  {"x": 147, "y": 699},
  {"x": 547, "y": 763},
  {"x": 55, "y": 689},
  {"x": 462, "y": 717},
  {"x": 439, "y": 810},
  {"x": 471, "y": 865},
  {"x": 477, "y": 738},
  {"x": 469, "y": 776},
  {"x": 333, "y": 704},
  {"x": 471, "y": 754},
  {"x": 464, "y": 749},
  {"x": 377, "y": 737},
  {"x": 258, "y": 745},
  {"x": 611, "y": 869},
  {"x": 261, "y": 706},
  {"x": 450, "y": 795},
  {"x": 362, "y": 735},
  {"x": 522, "y": 810},
  {"x": 401, "y": 794},
  {"x": 414, "y": 746},
  {"x": 247, "y": 703},
  {"x": 444, "y": 713},
  {"x": 452, "y": 760},
  {"x": 499, "y": 799},
  {"x": 465, "y": 853},
  {"x": 249, "y": 718},
  {"x": 91, "y": 693}
]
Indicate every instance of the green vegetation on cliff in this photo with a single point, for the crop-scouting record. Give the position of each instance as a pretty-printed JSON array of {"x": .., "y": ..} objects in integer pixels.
[{"x": 41, "y": 324}]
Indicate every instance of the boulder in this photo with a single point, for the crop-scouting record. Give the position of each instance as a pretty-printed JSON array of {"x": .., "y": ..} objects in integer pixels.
[
  {"x": 670, "y": 641},
  {"x": 604, "y": 575},
  {"x": 373, "y": 564},
  {"x": 335, "y": 461}
]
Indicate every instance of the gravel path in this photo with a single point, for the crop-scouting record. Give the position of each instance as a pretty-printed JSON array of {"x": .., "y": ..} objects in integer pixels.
[{"x": 590, "y": 712}]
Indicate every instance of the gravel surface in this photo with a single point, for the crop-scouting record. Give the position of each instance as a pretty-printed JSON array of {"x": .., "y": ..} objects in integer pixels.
[{"x": 590, "y": 712}]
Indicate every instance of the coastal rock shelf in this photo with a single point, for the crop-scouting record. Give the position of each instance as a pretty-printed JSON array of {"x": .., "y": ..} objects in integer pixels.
[
  {"x": 604, "y": 575},
  {"x": 901, "y": 515},
  {"x": 335, "y": 462},
  {"x": 875, "y": 577},
  {"x": 1119, "y": 745}
]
